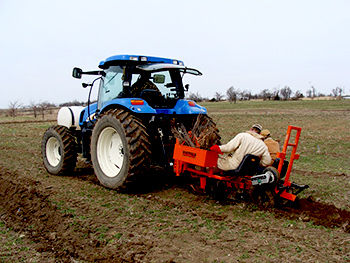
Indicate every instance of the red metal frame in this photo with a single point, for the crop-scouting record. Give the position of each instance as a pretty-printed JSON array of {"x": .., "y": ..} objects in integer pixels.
[
  {"x": 186, "y": 158},
  {"x": 201, "y": 163},
  {"x": 294, "y": 156}
]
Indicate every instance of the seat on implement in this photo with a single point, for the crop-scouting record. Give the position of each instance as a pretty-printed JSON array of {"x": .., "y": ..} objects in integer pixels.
[{"x": 248, "y": 166}]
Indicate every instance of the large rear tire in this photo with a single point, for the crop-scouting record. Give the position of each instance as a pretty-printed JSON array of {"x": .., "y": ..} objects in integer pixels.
[
  {"x": 59, "y": 150},
  {"x": 120, "y": 148}
]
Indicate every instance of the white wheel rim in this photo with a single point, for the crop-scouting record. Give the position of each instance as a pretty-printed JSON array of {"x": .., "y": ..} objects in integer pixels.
[
  {"x": 110, "y": 152},
  {"x": 53, "y": 151}
]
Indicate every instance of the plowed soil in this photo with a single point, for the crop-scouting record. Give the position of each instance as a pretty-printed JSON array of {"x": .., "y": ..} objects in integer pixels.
[{"x": 72, "y": 218}]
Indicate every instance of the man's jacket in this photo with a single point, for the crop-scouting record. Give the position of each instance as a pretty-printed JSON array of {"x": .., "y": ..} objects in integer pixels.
[
  {"x": 273, "y": 147},
  {"x": 243, "y": 143}
]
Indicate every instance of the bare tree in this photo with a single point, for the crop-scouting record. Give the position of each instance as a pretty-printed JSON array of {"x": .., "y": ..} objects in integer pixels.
[
  {"x": 196, "y": 97},
  {"x": 286, "y": 92},
  {"x": 32, "y": 104},
  {"x": 246, "y": 94},
  {"x": 265, "y": 94},
  {"x": 249, "y": 94},
  {"x": 309, "y": 93},
  {"x": 13, "y": 107},
  {"x": 313, "y": 91},
  {"x": 298, "y": 95},
  {"x": 44, "y": 106},
  {"x": 218, "y": 96},
  {"x": 72, "y": 103},
  {"x": 275, "y": 93},
  {"x": 337, "y": 92},
  {"x": 232, "y": 94}
]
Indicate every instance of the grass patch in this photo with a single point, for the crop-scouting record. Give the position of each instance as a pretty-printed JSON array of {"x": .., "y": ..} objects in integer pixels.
[{"x": 179, "y": 215}]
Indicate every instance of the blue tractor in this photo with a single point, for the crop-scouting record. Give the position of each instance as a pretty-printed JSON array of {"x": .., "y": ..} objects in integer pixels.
[{"x": 129, "y": 129}]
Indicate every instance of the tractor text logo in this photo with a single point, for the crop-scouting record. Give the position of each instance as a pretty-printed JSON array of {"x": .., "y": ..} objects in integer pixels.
[{"x": 189, "y": 154}]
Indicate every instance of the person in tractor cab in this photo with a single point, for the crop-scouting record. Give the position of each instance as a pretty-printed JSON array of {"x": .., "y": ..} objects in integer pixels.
[
  {"x": 272, "y": 145},
  {"x": 143, "y": 83},
  {"x": 249, "y": 142}
]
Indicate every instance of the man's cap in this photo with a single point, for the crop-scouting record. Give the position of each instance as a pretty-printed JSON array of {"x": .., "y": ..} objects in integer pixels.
[
  {"x": 257, "y": 126},
  {"x": 265, "y": 133}
]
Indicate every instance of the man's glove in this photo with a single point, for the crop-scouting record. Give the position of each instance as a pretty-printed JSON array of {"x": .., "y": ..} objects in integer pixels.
[{"x": 216, "y": 148}]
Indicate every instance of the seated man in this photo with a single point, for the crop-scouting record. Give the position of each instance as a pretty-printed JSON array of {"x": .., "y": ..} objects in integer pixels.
[
  {"x": 249, "y": 142},
  {"x": 271, "y": 144},
  {"x": 142, "y": 84}
]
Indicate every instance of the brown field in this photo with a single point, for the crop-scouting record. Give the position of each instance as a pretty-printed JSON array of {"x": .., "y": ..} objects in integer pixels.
[{"x": 46, "y": 218}]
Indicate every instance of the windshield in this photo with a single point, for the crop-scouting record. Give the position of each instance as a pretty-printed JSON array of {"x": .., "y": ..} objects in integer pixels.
[
  {"x": 166, "y": 88},
  {"x": 111, "y": 85},
  {"x": 155, "y": 83},
  {"x": 161, "y": 78}
]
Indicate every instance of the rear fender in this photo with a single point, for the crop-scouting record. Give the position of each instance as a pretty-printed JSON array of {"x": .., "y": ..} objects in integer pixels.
[
  {"x": 183, "y": 107},
  {"x": 189, "y": 107},
  {"x": 140, "y": 106},
  {"x": 135, "y": 105}
]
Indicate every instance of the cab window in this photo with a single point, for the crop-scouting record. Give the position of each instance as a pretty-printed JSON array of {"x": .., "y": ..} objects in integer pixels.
[{"x": 111, "y": 85}]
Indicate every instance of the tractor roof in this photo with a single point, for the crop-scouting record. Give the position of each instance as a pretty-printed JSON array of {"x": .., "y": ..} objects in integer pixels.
[
  {"x": 154, "y": 67},
  {"x": 136, "y": 60}
]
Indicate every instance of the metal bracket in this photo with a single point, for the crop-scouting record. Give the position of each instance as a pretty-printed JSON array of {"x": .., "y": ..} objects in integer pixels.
[{"x": 263, "y": 178}]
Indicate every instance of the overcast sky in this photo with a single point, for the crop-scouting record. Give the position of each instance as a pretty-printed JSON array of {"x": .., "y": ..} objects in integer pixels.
[{"x": 251, "y": 45}]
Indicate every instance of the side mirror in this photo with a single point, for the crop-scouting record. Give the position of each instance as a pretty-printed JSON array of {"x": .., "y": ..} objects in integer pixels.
[
  {"x": 77, "y": 72},
  {"x": 187, "y": 86},
  {"x": 158, "y": 78}
]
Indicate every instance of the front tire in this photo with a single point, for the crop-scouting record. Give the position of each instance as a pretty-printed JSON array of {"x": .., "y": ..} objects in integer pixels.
[
  {"x": 119, "y": 148},
  {"x": 59, "y": 150}
]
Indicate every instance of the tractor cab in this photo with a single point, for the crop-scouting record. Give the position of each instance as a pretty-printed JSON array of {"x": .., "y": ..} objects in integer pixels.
[
  {"x": 159, "y": 84},
  {"x": 157, "y": 81}
]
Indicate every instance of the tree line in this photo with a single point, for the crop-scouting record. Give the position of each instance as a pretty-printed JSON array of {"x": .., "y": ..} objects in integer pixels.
[
  {"x": 39, "y": 108},
  {"x": 285, "y": 93},
  {"x": 232, "y": 95}
]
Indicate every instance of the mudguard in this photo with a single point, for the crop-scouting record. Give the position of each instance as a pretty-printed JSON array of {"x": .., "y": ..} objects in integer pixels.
[
  {"x": 140, "y": 106},
  {"x": 133, "y": 104},
  {"x": 188, "y": 107}
]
